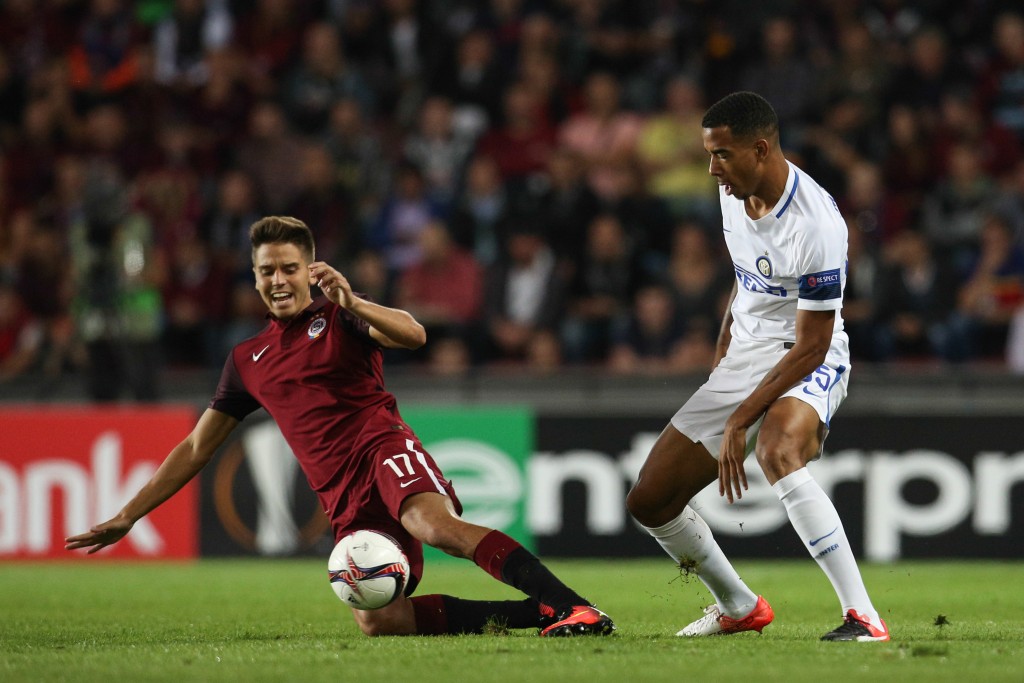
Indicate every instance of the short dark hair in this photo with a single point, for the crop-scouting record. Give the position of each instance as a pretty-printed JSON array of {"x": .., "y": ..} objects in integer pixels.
[
  {"x": 282, "y": 230},
  {"x": 746, "y": 114}
]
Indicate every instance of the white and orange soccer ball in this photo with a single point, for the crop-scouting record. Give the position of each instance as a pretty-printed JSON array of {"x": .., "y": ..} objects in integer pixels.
[{"x": 368, "y": 570}]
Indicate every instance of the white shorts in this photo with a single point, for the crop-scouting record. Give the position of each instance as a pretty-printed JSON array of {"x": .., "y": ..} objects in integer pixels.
[{"x": 702, "y": 418}]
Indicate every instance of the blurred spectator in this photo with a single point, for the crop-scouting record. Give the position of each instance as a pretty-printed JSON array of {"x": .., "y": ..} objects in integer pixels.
[
  {"x": 655, "y": 340},
  {"x": 183, "y": 38},
  {"x": 31, "y": 32},
  {"x": 478, "y": 220},
  {"x": 701, "y": 278},
  {"x": 36, "y": 332},
  {"x": 539, "y": 36},
  {"x": 363, "y": 170},
  {"x": 325, "y": 207},
  {"x": 645, "y": 218},
  {"x": 611, "y": 36},
  {"x": 196, "y": 298},
  {"x": 954, "y": 211},
  {"x": 523, "y": 142},
  {"x": 601, "y": 292},
  {"x": 544, "y": 353},
  {"x": 448, "y": 356},
  {"x": 30, "y": 158},
  {"x": 672, "y": 153},
  {"x": 960, "y": 121},
  {"x": 225, "y": 225},
  {"x": 602, "y": 134},
  {"x": 444, "y": 291},
  {"x": 107, "y": 140},
  {"x": 524, "y": 299},
  {"x": 270, "y": 35},
  {"x": 38, "y": 253},
  {"x": 404, "y": 215},
  {"x": 322, "y": 77},
  {"x": 783, "y": 75},
  {"x": 915, "y": 299},
  {"x": 272, "y": 156},
  {"x": 994, "y": 289},
  {"x": 473, "y": 82},
  {"x": 220, "y": 108},
  {"x": 859, "y": 71},
  {"x": 846, "y": 136},
  {"x": 370, "y": 272},
  {"x": 247, "y": 316},
  {"x": 930, "y": 71},
  {"x": 908, "y": 163},
  {"x": 874, "y": 212},
  {"x": 1001, "y": 84},
  {"x": 103, "y": 58},
  {"x": 440, "y": 149},
  {"x": 20, "y": 334},
  {"x": 860, "y": 297},
  {"x": 12, "y": 100},
  {"x": 117, "y": 292},
  {"x": 168, "y": 190},
  {"x": 540, "y": 73},
  {"x": 1010, "y": 201},
  {"x": 564, "y": 205}
]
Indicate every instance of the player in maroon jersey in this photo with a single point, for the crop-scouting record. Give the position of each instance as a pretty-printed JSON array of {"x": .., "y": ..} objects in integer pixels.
[{"x": 316, "y": 368}]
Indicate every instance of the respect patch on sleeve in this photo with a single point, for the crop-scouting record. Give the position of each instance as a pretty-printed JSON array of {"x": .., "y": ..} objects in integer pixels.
[{"x": 823, "y": 286}]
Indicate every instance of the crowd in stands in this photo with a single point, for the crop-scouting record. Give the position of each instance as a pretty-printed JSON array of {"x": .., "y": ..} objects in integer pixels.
[{"x": 526, "y": 177}]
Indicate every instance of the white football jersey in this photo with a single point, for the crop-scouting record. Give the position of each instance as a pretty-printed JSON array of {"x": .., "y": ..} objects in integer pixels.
[{"x": 793, "y": 257}]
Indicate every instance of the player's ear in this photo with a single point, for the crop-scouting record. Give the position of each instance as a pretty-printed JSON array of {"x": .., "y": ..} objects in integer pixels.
[{"x": 761, "y": 149}]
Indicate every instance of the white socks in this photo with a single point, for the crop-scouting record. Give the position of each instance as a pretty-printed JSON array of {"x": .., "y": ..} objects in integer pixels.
[
  {"x": 688, "y": 540},
  {"x": 817, "y": 523}
]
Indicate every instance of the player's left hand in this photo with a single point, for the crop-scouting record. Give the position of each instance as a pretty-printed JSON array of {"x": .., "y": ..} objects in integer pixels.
[
  {"x": 732, "y": 478},
  {"x": 332, "y": 283},
  {"x": 100, "y": 536}
]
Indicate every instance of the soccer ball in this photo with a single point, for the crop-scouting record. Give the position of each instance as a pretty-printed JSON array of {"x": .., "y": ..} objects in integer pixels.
[{"x": 367, "y": 570}]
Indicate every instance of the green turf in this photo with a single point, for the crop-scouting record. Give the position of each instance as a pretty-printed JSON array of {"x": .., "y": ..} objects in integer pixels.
[{"x": 266, "y": 620}]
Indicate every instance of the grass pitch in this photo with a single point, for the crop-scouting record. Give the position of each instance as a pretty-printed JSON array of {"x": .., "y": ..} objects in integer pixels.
[{"x": 267, "y": 620}]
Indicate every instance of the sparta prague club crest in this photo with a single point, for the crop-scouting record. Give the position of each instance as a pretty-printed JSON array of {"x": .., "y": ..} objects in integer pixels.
[{"x": 316, "y": 328}]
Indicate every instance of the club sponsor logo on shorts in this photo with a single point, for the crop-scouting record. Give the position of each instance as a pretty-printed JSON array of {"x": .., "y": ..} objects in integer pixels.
[
  {"x": 764, "y": 265},
  {"x": 316, "y": 327}
]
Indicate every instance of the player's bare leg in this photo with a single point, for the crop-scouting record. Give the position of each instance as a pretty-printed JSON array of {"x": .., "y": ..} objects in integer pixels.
[
  {"x": 675, "y": 471},
  {"x": 431, "y": 518},
  {"x": 790, "y": 437},
  {"x": 396, "y": 619}
]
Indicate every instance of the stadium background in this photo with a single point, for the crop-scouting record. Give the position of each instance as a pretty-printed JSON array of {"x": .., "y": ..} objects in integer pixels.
[{"x": 433, "y": 146}]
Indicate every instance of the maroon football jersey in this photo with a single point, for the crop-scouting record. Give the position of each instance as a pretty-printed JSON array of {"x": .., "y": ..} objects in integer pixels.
[{"x": 320, "y": 376}]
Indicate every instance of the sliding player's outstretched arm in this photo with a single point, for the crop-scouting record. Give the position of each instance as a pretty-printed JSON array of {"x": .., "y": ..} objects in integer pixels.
[{"x": 184, "y": 462}]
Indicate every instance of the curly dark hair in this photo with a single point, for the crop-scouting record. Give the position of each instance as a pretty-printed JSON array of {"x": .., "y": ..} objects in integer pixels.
[{"x": 746, "y": 114}]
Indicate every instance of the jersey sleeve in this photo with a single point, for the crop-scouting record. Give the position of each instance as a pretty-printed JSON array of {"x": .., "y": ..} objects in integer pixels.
[
  {"x": 356, "y": 325},
  {"x": 822, "y": 262},
  {"x": 231, "y": 397}
]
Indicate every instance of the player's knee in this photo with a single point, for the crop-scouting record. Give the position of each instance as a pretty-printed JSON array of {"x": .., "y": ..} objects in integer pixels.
[
  {"x": 645, "y": 508},
  {"x": 777, "y": 461}
]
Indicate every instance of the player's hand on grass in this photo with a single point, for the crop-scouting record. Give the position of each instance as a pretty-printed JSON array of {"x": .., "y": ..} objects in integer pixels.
[
  {"x": 732, "y": 478},
  {"x": 100, "y": 536},
  {"x": 332, "y": 283}
]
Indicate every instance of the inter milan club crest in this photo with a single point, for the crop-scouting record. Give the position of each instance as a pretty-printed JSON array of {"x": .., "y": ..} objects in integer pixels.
[
  {"x": 316, "y": 328},
  {"x": 764, "y": 266}
]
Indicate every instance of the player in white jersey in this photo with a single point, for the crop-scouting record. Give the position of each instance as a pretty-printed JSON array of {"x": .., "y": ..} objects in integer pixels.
[{"x": 781, "y": 370}]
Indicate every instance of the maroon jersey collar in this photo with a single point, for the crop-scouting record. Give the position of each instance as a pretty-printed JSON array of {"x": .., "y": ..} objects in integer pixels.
[{"x": 308, "y": 312}]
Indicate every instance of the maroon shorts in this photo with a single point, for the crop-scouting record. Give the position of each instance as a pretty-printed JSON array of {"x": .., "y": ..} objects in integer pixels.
[{"x": 398, "y": 468}]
